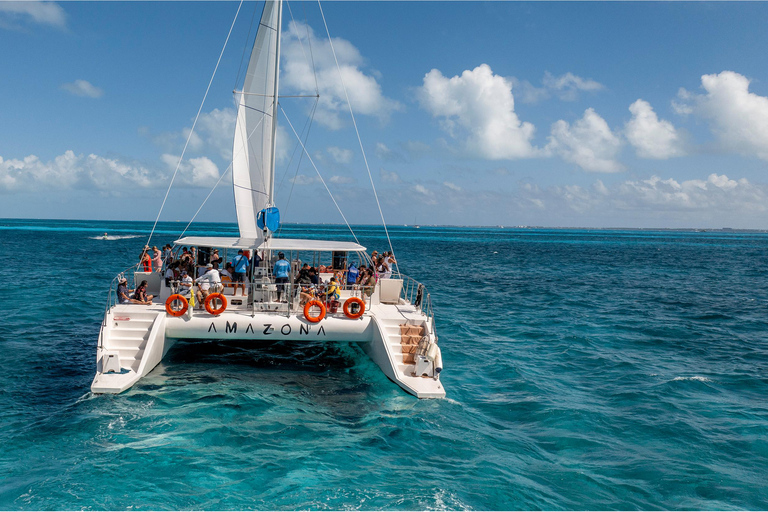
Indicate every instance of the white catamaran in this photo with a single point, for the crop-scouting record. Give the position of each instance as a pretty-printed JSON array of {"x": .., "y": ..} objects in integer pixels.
[{"x": 392, "y": 320}]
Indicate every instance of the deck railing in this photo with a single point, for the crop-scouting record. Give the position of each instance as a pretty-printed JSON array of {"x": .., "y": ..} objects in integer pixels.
[{"x": 416, "y": 293}]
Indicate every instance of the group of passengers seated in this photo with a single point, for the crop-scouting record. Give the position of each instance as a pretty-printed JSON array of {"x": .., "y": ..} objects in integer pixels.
[{"x": 137, "y": 296}]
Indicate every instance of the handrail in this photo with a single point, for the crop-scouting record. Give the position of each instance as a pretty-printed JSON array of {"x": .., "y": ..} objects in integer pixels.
[{"x": 410, "y": 292}]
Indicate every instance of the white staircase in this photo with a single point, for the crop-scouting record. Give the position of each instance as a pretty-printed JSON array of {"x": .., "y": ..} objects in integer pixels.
[
  {"x": 387, "y": 351},
  {"x": 131, "y": 344}
]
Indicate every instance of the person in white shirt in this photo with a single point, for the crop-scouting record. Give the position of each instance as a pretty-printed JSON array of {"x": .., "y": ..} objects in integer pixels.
[
  {"x": 185, "y": 286},
  {"x": 208, "y": 283}
]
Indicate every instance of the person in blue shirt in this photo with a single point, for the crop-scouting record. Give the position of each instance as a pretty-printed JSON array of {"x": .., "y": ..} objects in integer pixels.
[
  {"x": 240, "y": 264},
  {"x": 281, "y": 273},
  {"x": 352, "y": 274}
]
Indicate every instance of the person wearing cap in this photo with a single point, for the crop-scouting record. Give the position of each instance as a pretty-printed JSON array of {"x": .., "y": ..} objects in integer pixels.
[
  {"x": 185, "y": 285},
  {"x": 281, "y": 272},
  {"x": 208, "y": 283},
  {"x": 240, "y": 264},
  {"x": 123, "y": 293}
]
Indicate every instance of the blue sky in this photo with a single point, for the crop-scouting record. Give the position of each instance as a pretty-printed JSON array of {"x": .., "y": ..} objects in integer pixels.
[{"x": 600, "y": 114}]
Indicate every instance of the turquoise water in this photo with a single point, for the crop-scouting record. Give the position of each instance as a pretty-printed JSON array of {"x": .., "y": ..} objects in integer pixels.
[{"x": 584, "y": 370}]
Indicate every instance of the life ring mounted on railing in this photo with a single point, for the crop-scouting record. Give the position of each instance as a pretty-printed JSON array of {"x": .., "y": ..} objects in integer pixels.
[
  {"x": 308, "y": 307},
  {"x": 354, "y": 302},
  {"x": 169, "y": 305},
  {"x": 209, "y": 304}
]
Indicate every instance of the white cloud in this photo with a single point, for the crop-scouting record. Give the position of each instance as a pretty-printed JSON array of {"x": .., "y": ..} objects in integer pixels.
[
  {"x": 363, "y": 89},
  {"x": 342, "y": 156},
  {"x": 589, "y": 143},
  {"x": 651, "y": 137},
  {"x": 14, "y": 14},
  {"x": 389, "y": 176},
  {"x": 452, "y": 186},
  {"x": 82, "y": 88},
  {"x": 196, "y": 172},
  {"x": 738, "y": 118},
  {"x": 480, "y": 106},
  {"x": 71, "y": 171}
]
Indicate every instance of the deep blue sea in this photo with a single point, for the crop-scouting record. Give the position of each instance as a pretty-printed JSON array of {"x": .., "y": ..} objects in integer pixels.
[{"x": 585, "y": 369}]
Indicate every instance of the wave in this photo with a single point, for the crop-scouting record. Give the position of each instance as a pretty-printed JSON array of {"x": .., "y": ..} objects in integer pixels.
[
  {"x": 695, "y": 377},
  {"x": 113, "y": 237}
]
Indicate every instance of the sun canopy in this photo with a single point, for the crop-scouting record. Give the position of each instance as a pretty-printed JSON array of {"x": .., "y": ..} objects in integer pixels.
[{"x": 274, "y": 244}]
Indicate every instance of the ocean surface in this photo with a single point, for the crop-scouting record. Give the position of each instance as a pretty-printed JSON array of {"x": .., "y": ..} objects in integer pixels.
[{"x": 585, "y": 369}]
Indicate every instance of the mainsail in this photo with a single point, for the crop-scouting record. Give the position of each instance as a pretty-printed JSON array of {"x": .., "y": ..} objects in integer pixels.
[{"x": 253, "y": 158}]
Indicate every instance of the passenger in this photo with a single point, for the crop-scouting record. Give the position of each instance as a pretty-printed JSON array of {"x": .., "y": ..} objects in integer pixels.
[
  {"x": 170, "y": 275},
  {"x": 391, "y": 261},
  {"x": 332, "y": 291},
  {"x": 208, "y": 283},
  {"x": 216, "y": 259},
  {"x": 193, "y": 255},
  {"x": 240, "y": 264},
  {"x": 281, "y": 272},
  {"x": 383, "y": 269},
  {"x": 140, "y": 295},
  {"x": 227, "y": 271},
  {"x": 123, "y": 293},
  {"x": 306, "y": 290},
  {"x": 256, "y": 260},
  {"x": 157, "y": 258},
  {"x": 145, "y": 261},
  {"x": 352, "y": 274},
  {"x": 368, "y": 283},
  {"x": 185, "y": 285},
  {"x": 313, "y": 277},
  {"x": 167, "y": 254},
  {"x": 322, "y": 269}
]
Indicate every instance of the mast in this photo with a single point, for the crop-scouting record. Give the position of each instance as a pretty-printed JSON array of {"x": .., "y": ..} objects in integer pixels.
[{"x": 271, "y": 190}]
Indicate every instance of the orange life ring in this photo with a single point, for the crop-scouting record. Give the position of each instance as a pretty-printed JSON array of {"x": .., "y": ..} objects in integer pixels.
[
  {"x": 314, "y": 319},
  {"x": 349, "y": 302},
  {"x": 209, "y": 308},
  {"x": 176, "y": 312}
]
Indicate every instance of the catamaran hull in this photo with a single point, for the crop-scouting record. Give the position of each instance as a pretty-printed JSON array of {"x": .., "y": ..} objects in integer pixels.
[{"x": 134, "y": 340}]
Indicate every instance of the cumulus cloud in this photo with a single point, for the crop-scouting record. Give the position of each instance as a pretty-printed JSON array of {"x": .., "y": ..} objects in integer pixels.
[
  {"x": 737, "y": 117},
  {"x": 297, "y": 75},
  {"x": 198, "y": 172},
  {"x": 650, "y": 136},
  {"x": 713, "y": 196},
  {"x": 74, "y": 171},
  {"x": 452, "y": 186},
  {"x": 82, "y": 88},
  {"x": 341, "y": 156},
  {"x": 93, "y": 172},
  {"x": 589, "y": 143},
  {"x": 15, "y": 15},
  {"x": 479, "y": 107}
]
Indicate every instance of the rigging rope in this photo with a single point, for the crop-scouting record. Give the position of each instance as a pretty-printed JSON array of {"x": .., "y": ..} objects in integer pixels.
[
  {"x": 192, "y": 130},
  {"x": 318, "y": 174},
  {"x": 359, "y": 140}
]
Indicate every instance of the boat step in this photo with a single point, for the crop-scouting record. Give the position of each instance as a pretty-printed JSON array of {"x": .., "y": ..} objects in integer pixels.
[{"x": 126, "y": 340}]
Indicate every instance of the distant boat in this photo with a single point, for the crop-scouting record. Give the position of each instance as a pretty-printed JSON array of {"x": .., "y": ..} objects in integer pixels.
[{"x": 392, "y": 320}]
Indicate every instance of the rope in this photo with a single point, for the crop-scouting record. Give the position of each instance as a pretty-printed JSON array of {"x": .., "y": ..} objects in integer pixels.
[
  {"x": 181, "y": 158},
  {"x": 319, "y": 175},
  {"x": 359, "y": 140},
  {"x": 206, "y": 199}
]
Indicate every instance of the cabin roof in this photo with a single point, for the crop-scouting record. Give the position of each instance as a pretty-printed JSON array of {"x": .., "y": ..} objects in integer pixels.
[{"x": 274, "y": 244}]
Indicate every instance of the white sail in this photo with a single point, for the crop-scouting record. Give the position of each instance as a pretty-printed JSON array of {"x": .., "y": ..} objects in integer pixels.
[{"x": 253, "y": 166}]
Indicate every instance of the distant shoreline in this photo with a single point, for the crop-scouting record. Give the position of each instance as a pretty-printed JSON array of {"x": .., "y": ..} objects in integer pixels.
[{"x": 420, "y": 226}]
